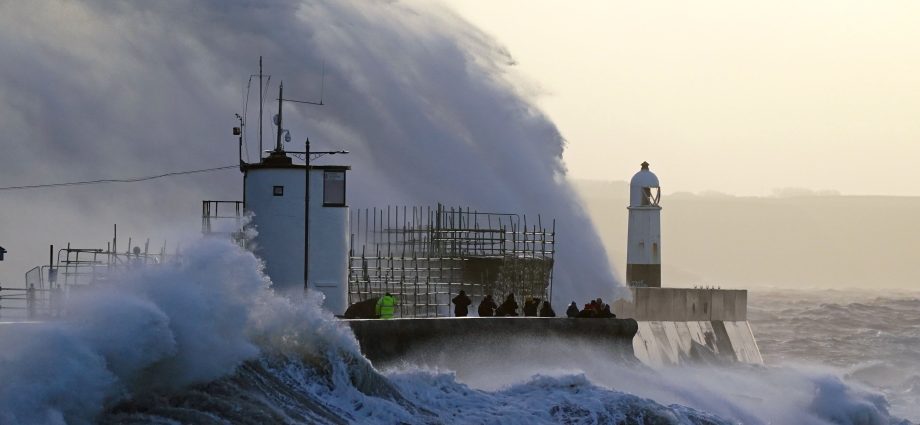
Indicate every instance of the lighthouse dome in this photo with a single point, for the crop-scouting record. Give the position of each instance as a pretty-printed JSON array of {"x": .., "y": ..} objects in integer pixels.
[{"x": 644, "y": 189}]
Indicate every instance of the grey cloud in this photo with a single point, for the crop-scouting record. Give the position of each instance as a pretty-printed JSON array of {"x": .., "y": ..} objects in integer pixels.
[{"x": 423, "y": 100}]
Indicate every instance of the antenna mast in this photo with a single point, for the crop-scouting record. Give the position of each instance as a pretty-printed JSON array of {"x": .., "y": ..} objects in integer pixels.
[
  {"x": 260, "y": 108},
  {"x": 280, "y": 98},
  {"x": 322, "y": 88}
]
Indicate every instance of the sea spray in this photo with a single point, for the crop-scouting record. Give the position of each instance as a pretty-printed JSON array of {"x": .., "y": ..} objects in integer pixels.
[
  {"x": 429, "y": 106},
  {"x": 156, "y": 328},
  {"x": 203, "y": 339},
  {"x": 749, "y": 394}
]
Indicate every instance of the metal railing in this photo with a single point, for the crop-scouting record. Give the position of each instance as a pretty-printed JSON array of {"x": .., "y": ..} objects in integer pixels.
[
  {"x": 221, "y": 216},
  {"x": 47, "y": 287}
]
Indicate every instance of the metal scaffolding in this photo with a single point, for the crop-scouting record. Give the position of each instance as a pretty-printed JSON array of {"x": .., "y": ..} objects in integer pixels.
[
  {"x": 71, "y": 270},
  {"x": 424, "y": 256}
]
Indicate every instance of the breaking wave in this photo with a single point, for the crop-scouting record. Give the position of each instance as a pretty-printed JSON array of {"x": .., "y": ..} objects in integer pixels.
[
  {"x": 204, "y": 340},
  {"x": 427, "y": 104}
]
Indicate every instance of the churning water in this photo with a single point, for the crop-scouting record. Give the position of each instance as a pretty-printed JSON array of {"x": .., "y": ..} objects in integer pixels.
[
  {"x": 204, "y": 340},
  {"x": 871, "y": 338}
]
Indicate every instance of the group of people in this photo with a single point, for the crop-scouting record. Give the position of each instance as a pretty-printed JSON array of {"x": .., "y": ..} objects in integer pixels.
[
  {"x": 595, "y": 309},
  {"x": 488, "y": 308},
  {"x": 533, "y": 307}
]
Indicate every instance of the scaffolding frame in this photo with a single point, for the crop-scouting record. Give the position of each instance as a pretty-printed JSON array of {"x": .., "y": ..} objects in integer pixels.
[{"x": 424, "y": 256}]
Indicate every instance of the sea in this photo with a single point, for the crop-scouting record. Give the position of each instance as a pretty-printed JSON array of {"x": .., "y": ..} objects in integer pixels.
[{"x": 203, "y": 340}]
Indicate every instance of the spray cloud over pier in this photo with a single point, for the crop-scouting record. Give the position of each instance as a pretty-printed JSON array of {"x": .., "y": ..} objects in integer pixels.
[{"x": 429, "y": 106}]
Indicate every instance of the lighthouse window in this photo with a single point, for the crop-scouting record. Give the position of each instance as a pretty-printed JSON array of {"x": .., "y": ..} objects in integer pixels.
[
  {"x": 278, "y": 190},
  {"x": 333, "y": 188},
  {"x": 650, "y": 195}
]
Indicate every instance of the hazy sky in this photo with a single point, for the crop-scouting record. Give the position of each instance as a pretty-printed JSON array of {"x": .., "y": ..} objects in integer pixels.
[
  {"x": 729, "y": 96},
  {"x": 733, "y": 96}
]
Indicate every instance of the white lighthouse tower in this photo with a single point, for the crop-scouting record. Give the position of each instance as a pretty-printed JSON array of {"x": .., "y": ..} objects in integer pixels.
[
  {"x": 301, "y": 216},
  {"x": 643, "y": 254}
]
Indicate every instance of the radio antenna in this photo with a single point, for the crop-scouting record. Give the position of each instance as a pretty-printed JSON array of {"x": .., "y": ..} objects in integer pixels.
[
  {"x": 260, "y": 108},
  {"x": 322, "y": 87}
]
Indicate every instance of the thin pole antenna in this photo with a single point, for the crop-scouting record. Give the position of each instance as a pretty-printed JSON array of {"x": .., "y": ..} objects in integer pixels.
[
  {"x": 322, "y": 87},
  {"x": 260, "y": 108},
  {"x": 306, "y": 217},
  {"x": 280, "y": 98}
]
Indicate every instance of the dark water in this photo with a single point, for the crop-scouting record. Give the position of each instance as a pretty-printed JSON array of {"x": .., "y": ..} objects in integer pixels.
[{"x": 873, "y": 338}]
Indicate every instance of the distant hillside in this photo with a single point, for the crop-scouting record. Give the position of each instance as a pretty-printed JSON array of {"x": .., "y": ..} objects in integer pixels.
[{"x": 801, "y": 241}]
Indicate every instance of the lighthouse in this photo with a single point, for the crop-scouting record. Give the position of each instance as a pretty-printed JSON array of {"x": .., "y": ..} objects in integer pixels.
[{"x": 643, "y": 253}]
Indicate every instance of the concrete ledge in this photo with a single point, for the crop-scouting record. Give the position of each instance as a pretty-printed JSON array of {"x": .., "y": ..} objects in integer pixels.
[
  {"x": 683, "y": 304},
  {"x": 384, "y": 341}
]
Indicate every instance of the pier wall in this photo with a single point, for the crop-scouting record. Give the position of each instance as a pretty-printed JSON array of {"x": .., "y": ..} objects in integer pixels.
[
  {"x": 683, "y": 304},
  {"x": 659, "y": 327},
  {"x": 667, "y": 343},
  {"x": 685, "y": 325},
  {"x": 386, "y": 341}
]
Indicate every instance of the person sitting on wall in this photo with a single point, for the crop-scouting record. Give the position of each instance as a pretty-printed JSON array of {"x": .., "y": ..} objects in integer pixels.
[
  {"x": 601, "y": 305},
  {"x": 487, "y": 307},
  {"x": 462, "y": 302},
  {"x": 590, "y": 310},
  {"x": 606, "y": 313},
  {"x": 508, "y": 308},
  {"x": 386, "y": 306},
  {"x": 546, "y": 310},
  {"x": 572, "y": 311},
  {"x": 530, "y": 306}
]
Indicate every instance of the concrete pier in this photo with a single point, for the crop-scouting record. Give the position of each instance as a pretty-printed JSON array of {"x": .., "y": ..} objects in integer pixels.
[
  {"x": 385, "y": 341},
  {"x": 659, "y": 327},
  {"x": 687, "y": 325}
]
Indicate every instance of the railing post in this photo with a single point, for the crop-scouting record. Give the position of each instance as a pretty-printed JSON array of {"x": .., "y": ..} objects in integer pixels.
[{"x": 30, "y": 301}]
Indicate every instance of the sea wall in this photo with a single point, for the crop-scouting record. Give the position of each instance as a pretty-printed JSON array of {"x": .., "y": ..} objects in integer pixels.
[
  {"x": 666, "y": 343},
  {"x": 385, "y": 341},
  {"x": 659, "y": 327},
  {"x": 685, "y": 325}
]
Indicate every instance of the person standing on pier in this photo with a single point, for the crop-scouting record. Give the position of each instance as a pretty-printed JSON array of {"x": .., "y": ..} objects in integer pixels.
[
  {"x": 547, "y": 310},
  {"x": 386, "y": 306},
  {"x": 572, "y": 311},
  {"x": 461, "y": 303},
  {"x": 487, "y": 307},
  {"x": 508, "y": 308},
  {"x": 530, "y": 306}
]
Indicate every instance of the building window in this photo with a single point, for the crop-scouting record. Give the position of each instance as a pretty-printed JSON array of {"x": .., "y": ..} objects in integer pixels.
[
  {"x": 278, "y": 190},
  {"x": 333, "y": 188}
]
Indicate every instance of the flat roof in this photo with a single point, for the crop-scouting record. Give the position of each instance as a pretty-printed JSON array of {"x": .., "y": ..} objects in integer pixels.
[
  {"x": 247, "y": 167},
  {"x": 280, "y": 160}
]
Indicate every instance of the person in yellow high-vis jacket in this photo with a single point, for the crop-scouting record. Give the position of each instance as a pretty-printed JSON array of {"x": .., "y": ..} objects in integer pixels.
[{"x": 386, "y": 306}]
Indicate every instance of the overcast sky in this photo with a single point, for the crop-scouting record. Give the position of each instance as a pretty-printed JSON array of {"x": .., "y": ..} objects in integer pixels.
[{"x": 734, "y": 96}]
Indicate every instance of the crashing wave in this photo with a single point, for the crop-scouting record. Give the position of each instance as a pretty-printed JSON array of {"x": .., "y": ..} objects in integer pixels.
[{"x": 204, "y": 340}]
